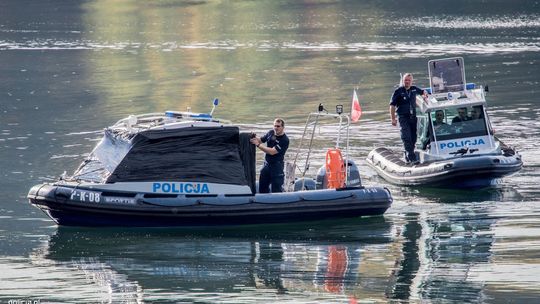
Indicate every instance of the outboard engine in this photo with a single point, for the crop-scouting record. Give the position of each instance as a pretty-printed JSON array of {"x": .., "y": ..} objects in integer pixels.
[
  {"x": 304, "y": 184},
  {"x": 354, "y": 179},
  {"x": 354, "y": 175}
]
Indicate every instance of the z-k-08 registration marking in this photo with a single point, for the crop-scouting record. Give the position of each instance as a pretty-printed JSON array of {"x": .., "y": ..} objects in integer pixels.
[{"x": 86, "y": 196}]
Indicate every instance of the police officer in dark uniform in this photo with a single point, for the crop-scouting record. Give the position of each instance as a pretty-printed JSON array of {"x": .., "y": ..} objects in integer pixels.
[
  {"x": 277, "y": 144},
  {"x": 462, "y": 116},
  {"x": 403, "y": 102}
]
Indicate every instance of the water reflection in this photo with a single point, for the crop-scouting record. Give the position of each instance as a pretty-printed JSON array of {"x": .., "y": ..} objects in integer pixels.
[
  {"x": 456, "y": 244},
  {"x": 453, "y": 254},
  {"x": 500, "y": 193},
  {"x": 461, "y": 245},
  {"x": 352, "y": 259}
]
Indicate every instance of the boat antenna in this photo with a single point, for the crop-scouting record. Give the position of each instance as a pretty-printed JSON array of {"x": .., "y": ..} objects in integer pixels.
[{"x": 216, "y": 102}]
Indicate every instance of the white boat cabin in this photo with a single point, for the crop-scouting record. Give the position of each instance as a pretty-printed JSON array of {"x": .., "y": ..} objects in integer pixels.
[{"x": 453, "y": 120}]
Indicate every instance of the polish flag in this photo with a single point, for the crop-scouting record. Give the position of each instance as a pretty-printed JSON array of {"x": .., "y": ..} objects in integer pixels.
[{"x": 356, "y": 110}]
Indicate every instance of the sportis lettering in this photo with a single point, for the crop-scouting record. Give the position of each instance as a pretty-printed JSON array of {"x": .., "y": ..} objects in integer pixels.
[
  {"x": 180, "y": 188},
  {"x": 462, "y": 143}
]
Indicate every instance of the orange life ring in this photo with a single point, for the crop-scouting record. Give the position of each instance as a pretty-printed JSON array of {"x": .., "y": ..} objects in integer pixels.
[{"x": 335, "y": 169}]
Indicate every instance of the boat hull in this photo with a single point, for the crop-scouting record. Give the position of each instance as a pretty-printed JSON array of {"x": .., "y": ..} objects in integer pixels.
[
  {"x": 461, "y": 172},
  {"x": 66, "y": 210}
]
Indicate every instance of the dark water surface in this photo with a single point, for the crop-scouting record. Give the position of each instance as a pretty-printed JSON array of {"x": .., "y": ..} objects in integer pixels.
[{"x": 70, "y": 68}]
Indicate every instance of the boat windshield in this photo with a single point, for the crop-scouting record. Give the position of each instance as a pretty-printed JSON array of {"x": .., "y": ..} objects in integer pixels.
[{"x": 460, "y": 122}]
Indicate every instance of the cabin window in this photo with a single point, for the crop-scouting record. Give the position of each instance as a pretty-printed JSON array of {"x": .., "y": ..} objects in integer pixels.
[{"x": 459, "y": 122}]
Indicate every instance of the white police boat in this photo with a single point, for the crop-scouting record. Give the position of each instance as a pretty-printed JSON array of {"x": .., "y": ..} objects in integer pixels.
[
  {"x": 456, "y": 146},
  {"x": 189, "y": 169}
]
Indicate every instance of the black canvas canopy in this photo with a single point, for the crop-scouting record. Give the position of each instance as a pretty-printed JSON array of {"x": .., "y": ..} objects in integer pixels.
[{"x": 196, "y": 154}]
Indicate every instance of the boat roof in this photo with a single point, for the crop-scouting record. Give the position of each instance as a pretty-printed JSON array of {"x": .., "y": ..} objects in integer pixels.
[
  {"x": 467, "y": 98},
  {"x": 134, "y": 124}
]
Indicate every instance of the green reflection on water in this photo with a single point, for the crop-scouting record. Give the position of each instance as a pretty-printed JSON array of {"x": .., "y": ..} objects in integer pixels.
[{"x": 174, "y": 55}]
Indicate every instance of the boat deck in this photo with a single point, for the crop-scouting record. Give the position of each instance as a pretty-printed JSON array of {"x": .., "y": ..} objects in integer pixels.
[{"x": 397, "y": 158}]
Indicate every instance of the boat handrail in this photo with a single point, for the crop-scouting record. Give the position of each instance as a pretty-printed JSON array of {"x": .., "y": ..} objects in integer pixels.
[
  {"x": 451, "y": 100},
  {"x": 468, "y": 86},
  {"x": 152, "y": 120},
  {"x": 313, "y": 121}
]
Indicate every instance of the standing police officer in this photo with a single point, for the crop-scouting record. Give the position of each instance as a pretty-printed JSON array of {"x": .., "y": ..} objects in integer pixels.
[
  {"x": 277, "y": 144},
  {"x": 403, "y": 103}
]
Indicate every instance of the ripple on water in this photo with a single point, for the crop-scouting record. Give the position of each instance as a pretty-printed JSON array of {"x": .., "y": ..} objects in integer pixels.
[
  {"x": 23, "y": 278},
  {"x": 371, "y": 50},
  {"x": 476, "y": 22}
]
